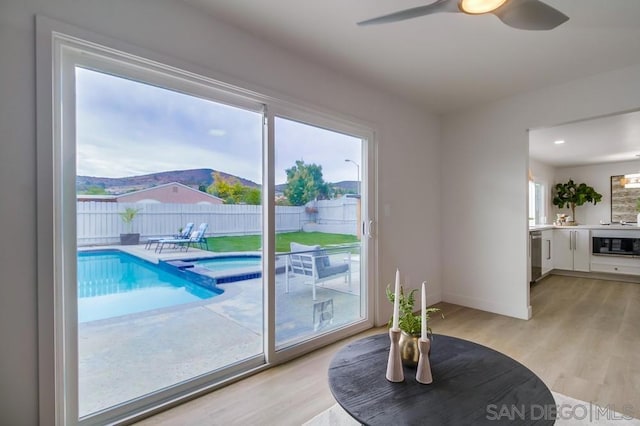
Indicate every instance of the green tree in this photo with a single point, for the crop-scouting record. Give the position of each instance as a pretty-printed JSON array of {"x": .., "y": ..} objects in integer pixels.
[
  {"x": 281, "y": 201},
  {"x": 232, "y": 191},
  {"x": 305, "y": 183},
  {"x": 94, "y": 190},
  {"x": 252, "y": 196}
]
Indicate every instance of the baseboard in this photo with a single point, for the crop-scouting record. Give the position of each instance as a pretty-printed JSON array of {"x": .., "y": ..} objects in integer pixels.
[
  {"x": 524, "y": 312},
  {"x": 596, "y": 276},
  {"x": 488, "y": 306}
]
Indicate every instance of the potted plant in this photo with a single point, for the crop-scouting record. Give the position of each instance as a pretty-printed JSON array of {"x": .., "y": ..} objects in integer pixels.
[
  {"x": 410, "y": 325},
  {"x": 130, "y": 238},
  {"x": 571, "y": 195}
]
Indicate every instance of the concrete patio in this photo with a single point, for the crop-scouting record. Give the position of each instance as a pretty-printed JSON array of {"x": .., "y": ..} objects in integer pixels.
[{"x": 126, "y": 357}]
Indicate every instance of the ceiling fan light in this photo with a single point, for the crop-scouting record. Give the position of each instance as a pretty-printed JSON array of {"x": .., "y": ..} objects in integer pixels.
[{"x": 478, "y": 7}]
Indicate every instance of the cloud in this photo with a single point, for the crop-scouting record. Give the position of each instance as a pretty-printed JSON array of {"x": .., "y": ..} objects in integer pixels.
[{"x": 126, "y": 128}]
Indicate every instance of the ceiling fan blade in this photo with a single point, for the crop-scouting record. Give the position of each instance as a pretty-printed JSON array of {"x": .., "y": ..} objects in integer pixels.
[
  {"x": 530, "y": 15},
  {"x": 438, "y": 6}
]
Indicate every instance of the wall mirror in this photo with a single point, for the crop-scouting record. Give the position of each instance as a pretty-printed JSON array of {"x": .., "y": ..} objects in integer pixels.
[{"x": 623, "y": 201}]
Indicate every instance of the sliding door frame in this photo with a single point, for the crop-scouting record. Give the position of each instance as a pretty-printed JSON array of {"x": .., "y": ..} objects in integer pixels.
[
  {"x": 70, "y": 54},
  {"x": 59, "y": 48},
  {"x": 294, "y": 112}
]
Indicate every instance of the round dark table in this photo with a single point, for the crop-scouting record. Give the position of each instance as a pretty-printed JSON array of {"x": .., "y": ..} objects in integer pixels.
[{"x": 472, "y": 385}]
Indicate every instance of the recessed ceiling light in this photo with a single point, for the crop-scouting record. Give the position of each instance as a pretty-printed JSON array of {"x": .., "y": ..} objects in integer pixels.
[{"x": 559, "y": 142}]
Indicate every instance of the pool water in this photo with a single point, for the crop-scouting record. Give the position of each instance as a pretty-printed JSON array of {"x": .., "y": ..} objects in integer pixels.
[
  {"x": 113, "y": 283},
  {"x": 233, "y": 262}
]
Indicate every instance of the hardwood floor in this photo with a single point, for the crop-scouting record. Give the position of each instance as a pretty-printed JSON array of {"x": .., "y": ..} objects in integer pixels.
[{"x": 583, "y": 341}]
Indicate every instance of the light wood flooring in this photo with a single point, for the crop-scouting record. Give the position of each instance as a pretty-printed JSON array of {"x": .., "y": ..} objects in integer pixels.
[{"x": 583, "y": 341}]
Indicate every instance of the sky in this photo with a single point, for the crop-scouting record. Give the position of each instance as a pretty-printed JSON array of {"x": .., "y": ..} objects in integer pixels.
[{"x": 127, "y": 128}]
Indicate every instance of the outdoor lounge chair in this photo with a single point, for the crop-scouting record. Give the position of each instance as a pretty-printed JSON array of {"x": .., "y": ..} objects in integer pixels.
[
  {"x": 185, "y": 233},
  {"x": 196, "y": 237},
  {"x": 312, "y": 264}
]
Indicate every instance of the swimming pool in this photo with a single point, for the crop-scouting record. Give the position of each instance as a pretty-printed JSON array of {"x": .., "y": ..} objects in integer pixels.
[
  {"x": 112, "y": 283},
  {"x": 225, "y": 263}
]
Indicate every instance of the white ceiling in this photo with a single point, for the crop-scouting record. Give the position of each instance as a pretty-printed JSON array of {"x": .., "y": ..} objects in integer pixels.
[
  {"x": 452, "y": 61},
  {"x": 445, "y": 61},
  {"x": 600, "y": 140}
]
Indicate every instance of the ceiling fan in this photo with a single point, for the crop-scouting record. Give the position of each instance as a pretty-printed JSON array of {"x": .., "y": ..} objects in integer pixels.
[{"x": 520, "y": 14}]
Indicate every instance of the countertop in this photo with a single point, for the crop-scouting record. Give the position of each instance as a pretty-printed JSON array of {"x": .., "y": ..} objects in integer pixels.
[{"x": 630, "y": 227}]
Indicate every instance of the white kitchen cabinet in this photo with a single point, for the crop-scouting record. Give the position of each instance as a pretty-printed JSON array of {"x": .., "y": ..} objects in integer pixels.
[
  {"x": 616, "y": 266},
  {"x": 547, "y": 251},
  {"x": 562, "y": 249},
  {"x": 582, "y": 250},
  {"x": 571, "y": 249}
]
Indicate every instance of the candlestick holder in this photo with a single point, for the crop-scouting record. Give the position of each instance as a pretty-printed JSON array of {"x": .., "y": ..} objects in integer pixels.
[
  {"x": 394, "y": 365},
  {"x": 423, "y": 373}
]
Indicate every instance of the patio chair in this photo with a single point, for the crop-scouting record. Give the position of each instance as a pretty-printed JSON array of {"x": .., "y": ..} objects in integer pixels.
[
  {"x": 196, "y": 237},
  {"x": 313, "y": 265},
  {"x": 185, "y": 233}
]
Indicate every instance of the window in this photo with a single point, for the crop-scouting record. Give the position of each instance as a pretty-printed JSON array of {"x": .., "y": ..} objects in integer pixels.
[{"x": 537, "y": 208}]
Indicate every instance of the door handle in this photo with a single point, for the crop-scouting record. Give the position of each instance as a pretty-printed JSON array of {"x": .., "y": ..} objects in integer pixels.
[
  {"x": 367, "y": 227},
  {"x": 570, "y": 240},
  {"x": 369, "y": 231},
  {"x": 548, "y": 249}
]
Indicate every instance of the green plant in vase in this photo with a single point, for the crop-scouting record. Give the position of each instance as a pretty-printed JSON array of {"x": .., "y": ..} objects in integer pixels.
[
  {"x": 129, "y": 238},
  {"x": 571, "y": 195},
  {"x": 410, "y": 325}
]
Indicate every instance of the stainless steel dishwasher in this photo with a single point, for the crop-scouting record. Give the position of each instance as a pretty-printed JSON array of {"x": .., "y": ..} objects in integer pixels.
[{"x": 536, "y": 255}]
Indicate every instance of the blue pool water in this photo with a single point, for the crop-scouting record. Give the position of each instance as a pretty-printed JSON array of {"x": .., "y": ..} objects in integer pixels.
[
  {"x": 112, "y": 283},
  {"x": 230, "y": 262}
]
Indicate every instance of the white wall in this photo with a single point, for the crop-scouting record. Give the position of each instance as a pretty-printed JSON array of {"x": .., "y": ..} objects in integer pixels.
[
  {"x": 408, "y": 152},
  {"x": 599, "y": 177},
  {"x": 484, "y": 164}
]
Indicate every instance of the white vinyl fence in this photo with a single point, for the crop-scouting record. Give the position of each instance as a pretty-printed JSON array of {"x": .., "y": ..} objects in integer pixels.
[
  {"x": 339, "y": 216},
  {"x": 100, "y": 222}
]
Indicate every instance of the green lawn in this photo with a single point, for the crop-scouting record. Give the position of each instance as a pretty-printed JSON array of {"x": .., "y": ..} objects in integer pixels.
[{"x": 254, "y": 242}]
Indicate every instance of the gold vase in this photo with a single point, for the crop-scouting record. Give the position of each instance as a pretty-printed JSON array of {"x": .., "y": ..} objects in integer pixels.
[{"x": 409, "y": 352}]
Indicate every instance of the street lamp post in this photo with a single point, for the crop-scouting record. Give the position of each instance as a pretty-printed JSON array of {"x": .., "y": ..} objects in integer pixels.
[{"x": 358, "y": 174}]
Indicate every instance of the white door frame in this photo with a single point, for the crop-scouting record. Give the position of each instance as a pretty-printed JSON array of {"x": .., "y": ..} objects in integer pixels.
[{"x": 59, "y": 46}]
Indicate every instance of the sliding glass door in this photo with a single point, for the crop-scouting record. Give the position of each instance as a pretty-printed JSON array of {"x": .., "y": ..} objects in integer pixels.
[
  {"x": 319, "y": 285},
  {"x": 162, "y": 179},
  {"x": 200, "y": 232}
]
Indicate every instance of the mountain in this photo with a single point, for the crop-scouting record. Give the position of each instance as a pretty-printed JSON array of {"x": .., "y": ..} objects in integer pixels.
[
  {"x": 348, "y": 186},
  {"x": 193, "y": 178}
]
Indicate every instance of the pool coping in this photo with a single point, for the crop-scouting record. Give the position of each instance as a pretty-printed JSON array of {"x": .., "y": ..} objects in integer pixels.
[
  {"x": 185, "y": 269},
  {"x": 224, "y": 277}
]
